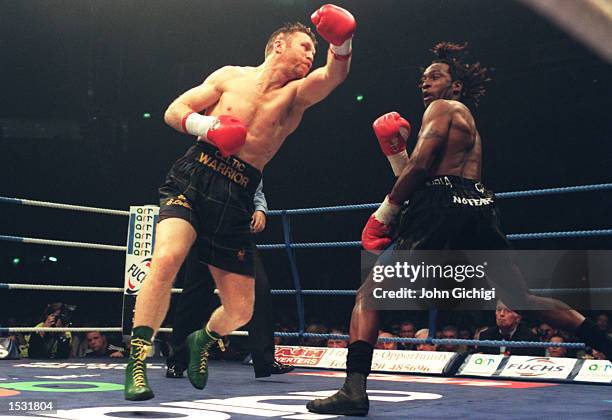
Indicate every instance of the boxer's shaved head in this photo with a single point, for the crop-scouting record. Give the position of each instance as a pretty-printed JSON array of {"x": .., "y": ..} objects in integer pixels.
[{"x": 286, "y": 30}]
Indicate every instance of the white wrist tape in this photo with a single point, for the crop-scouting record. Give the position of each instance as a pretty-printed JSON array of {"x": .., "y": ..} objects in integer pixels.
[
  {"x": 387, "y": 211},
  {"x": 398, "y": 162},
  {"x": 344, "y": 49},
  {"x": 198, "y": 124}
]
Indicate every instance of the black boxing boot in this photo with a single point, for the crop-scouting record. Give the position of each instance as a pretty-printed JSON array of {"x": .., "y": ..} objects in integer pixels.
[{"x": 350, "y": 400}]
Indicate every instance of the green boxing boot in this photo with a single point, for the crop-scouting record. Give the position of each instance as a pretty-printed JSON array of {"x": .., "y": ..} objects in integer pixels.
[
  {"x": 198, "y": 344},
  {"x": 136, "y": 385}
]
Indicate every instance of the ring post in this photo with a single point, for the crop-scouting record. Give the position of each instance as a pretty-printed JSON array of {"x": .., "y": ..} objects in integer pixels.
[
  {"x": 294, "y": 271},
  {"x": 140, "y": 243}
]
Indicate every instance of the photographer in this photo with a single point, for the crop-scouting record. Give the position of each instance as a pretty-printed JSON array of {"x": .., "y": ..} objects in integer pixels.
[{"x": 46, "y": 345}]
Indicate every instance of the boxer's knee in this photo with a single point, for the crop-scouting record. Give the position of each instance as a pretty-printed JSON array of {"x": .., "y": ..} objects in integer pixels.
[{"x": 165, "y": 265}]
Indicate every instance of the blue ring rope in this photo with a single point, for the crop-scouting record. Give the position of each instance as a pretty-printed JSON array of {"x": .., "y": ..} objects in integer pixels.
[
  {"x": 511, "y": 237},
  {"x": 441, "y": 341},
  {"x": 510, "y": 194},
  {"x": 328, "y": 209}
]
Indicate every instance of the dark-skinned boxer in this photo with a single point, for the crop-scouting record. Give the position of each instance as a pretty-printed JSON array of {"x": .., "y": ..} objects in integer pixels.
[{"x": 449, "y": 208}]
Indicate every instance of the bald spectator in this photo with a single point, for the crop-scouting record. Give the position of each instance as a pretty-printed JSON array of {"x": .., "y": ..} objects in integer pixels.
[
  {"x": 386, "y": 345},
  {"x": 337, "y": 343},
  {"x": 508, "y": 327},
  {"x": 556, "y": 351},
  {"x": 424, "y": 333}
]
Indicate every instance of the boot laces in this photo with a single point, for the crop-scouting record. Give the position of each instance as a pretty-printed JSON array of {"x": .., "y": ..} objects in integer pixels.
[
  {"x": 141, "y": 347},
  {"x": 204, "y": 353}
]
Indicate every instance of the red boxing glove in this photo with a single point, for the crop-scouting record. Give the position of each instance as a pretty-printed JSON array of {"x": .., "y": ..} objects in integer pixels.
[
  {"x": 228, "y": 134},
  {"x": 392, "y": 131},
  {"x": 335, "y": 24},
  {"x": 377, "y": 233},
  {"x": 376, "y": 236}
]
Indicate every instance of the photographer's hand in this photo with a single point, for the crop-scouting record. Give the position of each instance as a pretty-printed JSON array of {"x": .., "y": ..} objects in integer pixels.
[{"x": 49, "y": 322}]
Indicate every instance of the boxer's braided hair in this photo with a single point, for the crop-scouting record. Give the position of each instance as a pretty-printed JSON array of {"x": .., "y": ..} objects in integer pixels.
[
  {"x": 473, "y": 75},
  {"x": 288, "y": 29}
]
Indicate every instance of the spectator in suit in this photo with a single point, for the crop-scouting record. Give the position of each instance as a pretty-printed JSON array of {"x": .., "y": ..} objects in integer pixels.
[{"x": 508, "y": 327}]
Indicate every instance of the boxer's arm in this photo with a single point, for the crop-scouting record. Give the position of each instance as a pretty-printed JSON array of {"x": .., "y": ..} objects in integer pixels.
[
  {"x": 432, "y": 139},
  {"x": 259, "y": 200},
  {"x": 197, "y": 98},
  {"x": 337, "y": 26},
  {"x": 321, "y": 82}
]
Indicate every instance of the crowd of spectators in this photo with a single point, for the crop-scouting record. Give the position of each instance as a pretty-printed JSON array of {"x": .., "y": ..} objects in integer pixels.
[
  {"x": 61, "y": 344},
  {"x": 507, "y": 325}
]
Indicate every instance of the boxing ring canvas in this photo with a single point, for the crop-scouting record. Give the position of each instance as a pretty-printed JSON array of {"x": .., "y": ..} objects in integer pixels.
[{"x": 83, "y": 390}]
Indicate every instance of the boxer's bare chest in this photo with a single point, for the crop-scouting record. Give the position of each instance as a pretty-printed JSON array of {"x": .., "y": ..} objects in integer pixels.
[{"x": 258, "y": 108}]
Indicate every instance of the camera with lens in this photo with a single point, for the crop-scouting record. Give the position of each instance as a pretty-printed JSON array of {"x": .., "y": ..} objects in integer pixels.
[
  {"x": 66, "y": 314},
  {"x": 63, "y": 312}
]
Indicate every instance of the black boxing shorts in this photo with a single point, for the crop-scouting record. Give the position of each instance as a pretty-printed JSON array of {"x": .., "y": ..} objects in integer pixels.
[
  {"x": 458, "y": 214},
  {"x": 215, "y": 195},
  {"x": 450, "y": 212}
]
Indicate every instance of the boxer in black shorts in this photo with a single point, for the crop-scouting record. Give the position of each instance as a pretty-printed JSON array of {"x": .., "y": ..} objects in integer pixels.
[
  {"x": 449, "y": 209},
  {"x": 215, "y": 195},
  {"x": 243, "y": 114}
]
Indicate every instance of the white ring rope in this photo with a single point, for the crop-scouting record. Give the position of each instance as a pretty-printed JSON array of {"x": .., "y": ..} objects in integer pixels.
[
  {"x": 74, "y": 244},
  {"x": 66, "y": 288},
  {"x": 101, "y": 329},
  {"x": 72, "y": 207}
]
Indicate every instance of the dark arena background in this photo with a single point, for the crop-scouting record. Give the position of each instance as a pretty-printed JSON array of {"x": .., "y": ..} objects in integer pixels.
[{"x": 85, "y": 84}]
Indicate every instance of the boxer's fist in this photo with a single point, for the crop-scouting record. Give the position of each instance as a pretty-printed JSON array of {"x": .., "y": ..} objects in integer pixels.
[
  {"x": 392, "y": 131},
  {"x": 377, "y": 233},
  {"x": 376, "y": 236},
  {"x": 335, "y": 24},
  {"x": 228, "y": 134}
]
